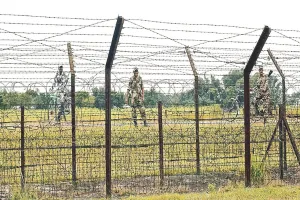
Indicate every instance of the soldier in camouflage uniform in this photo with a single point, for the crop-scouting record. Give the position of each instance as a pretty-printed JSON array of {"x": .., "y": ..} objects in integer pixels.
[
  {"x": 60, "y": 85},
  {"x": 263, "y": 93},
  {"x": 136, "y": 93}
]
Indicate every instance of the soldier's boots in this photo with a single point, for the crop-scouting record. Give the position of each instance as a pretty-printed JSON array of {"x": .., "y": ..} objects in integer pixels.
[
  {"x": 145, "y": 123},
  {"x": 256, "y": 110},
  {"x": 270, "y": 111}
]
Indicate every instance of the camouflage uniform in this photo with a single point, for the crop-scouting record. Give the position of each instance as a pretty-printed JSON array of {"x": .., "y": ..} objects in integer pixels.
[
  {"x": 134, "y": 91},
  {"x": 60, "y": 83},
  {"x": 263, "y": 94}
]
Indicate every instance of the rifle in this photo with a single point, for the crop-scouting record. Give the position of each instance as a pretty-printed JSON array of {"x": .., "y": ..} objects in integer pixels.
[
  {"x": 128, "y": 97},
  {"x": 270, "y": 73}
]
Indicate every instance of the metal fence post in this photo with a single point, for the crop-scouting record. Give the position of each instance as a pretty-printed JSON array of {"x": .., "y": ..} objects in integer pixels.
[
  {"x": 196, "y": 101},
  {"x": 108, "y": 66},
  {"x": 22, "y": 149},
  {"x": 71, "y": 62},
  {"x": 161, "y": 144},
  {"x": 251, "y": 62},
  {"x": 281, "y": 142}
]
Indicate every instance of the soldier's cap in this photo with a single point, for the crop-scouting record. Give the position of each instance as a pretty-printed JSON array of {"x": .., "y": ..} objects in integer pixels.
[
  {"x": 60, "y": 66},
  {"x": 136, "y": 70}
]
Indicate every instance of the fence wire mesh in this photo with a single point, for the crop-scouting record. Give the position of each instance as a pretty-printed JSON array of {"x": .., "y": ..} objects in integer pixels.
[{"x": 171, "y": 153}]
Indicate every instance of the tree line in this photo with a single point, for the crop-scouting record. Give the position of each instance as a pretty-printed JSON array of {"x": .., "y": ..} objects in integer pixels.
[{"x": 211, "y": 91}]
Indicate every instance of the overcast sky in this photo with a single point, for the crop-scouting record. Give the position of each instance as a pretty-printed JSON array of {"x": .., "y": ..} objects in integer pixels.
[{"x": 251, "y": 13}]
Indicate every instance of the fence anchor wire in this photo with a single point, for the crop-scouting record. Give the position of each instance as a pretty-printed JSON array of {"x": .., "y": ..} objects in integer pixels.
[
  {"x": 282, "y": 120},
  {"x": 282, "y": 131}
]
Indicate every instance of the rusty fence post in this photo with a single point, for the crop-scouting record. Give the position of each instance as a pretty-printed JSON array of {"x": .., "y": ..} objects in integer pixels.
[
  {"x": 22, "y": 149},
  {"x": 108, "y": 66},
  {"x": 250, "y": 64},
  {"x": 281, "y": 142},
  {"x": 196, "y": 101},
  {"x": 284, "y": 129},
  {"x": 161, "y": 144},
  {"x": 73, "y": 113}
]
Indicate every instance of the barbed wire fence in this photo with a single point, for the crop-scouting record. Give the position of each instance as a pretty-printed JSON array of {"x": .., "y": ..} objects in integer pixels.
[{"x": 194, "y": 99}]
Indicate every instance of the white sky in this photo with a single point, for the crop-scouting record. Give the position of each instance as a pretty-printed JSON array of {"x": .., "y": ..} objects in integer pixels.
[
  {"x": 254, "y": 13},
  {"x": 251, "y": 13}
]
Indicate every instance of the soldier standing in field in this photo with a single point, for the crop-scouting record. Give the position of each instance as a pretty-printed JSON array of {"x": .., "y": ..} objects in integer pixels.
[
  {"x": 263, "y": 92},
  {"x": 60, "y": 85},
  {"x": 136, "y": 92}
]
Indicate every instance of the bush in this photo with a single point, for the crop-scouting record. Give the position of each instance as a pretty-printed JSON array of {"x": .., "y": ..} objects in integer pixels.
[{"x": 257, "y": 174}]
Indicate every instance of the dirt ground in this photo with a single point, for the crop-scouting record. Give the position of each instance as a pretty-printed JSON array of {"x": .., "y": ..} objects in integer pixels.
[
  {"x": 147, "y": 185},
  {"x": 128, "y": 186}
]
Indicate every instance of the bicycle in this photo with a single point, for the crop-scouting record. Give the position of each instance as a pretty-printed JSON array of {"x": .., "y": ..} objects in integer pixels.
[
  {"x": 235, "y": 110},
  {"x": 232, "y": 110},
  {"x": 234, "y": 107}
]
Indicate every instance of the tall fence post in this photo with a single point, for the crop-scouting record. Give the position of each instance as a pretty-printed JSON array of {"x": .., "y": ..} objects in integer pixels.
[
  {"x": 284, "y": 130},
  {"x": 283, "y": 105},
  {"x": 250, "y": 64},
  {"x": 71, "y": 62},
  {"x": 108, "y": 66},
  {"x": 280, "y": 142},
  {"x": 161, "y": 144},
  {"x": 22, "y": 148},
  {"x": 196, "y": 101}
]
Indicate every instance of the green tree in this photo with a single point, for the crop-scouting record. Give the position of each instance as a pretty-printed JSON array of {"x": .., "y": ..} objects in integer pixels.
[
  {"x": 99, "y": 94},
  {"x": 233, "y": 88},
  {"x": 216, "y": 90},
  {"x": 1, "y": 101},
  {"x": 151, "y": 97},
  {"x": 32, "y": 93},
  {"x": 2, "y": 104},
  {"x": 294, "y": 98},
  {"x": 42, "y": 101},
  {"x": 81, "y": 98},
  {"x": 11, "y": 99},
  {"x": 204, "y": 85},
  {"x": 210, "y": 92},
  {"x": 232, "y": 77},
  {"x": 187, "y": 98},
  {"x": 117, "y": 99},
  {"x": 25, "y": 99}
]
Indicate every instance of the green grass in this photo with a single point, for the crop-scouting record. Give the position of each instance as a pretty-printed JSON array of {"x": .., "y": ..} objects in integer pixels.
[
  {"x": 135, "y": 151},
  {"x": 232, "y": 193},
  {"x": 228, "y": 192},
  {"x": 94, "y": 114},
  {"x": 53, "y": 142}
]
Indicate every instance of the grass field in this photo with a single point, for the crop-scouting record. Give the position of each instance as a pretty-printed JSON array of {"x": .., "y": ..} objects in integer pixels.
[
  {"x": 228, "y": 192},
  {"x": 232, "y": 193},
  {"x": 135, "y": 151}
]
